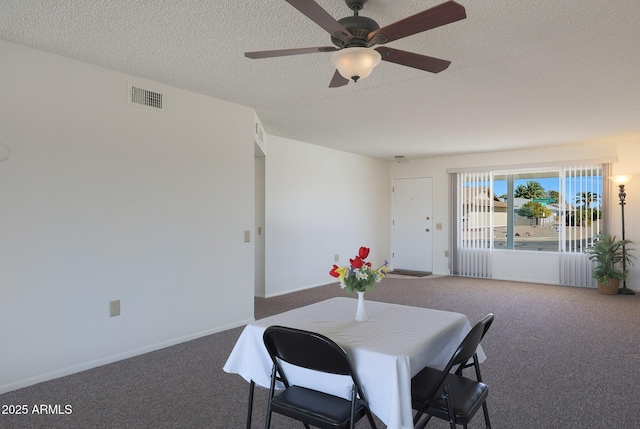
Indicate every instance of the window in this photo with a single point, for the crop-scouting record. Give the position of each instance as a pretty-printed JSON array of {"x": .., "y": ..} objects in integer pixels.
[{"x": 551, "y": 209}]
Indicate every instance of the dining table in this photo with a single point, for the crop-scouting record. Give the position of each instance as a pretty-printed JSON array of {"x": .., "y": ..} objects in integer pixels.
[{"x": 387, "y": 350}]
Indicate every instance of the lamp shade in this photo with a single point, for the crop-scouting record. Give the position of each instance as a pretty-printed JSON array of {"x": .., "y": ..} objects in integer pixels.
[
  {"x": 355, "y": 63},
  {"x": 621, "y": 179}
]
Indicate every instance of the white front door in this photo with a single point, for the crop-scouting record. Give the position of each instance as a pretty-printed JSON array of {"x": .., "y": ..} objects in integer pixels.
[{"x": 412, "y": 224}]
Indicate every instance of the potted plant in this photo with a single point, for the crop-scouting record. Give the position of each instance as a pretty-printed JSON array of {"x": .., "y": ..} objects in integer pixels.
[{"x": 612, "y": 259}]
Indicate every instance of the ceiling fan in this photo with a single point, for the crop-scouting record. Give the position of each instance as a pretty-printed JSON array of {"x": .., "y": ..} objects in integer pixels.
[{"x": 354, "y": 37}]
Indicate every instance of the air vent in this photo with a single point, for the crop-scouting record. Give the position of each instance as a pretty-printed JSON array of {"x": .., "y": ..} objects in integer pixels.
[{"x": 145, "y": 97}]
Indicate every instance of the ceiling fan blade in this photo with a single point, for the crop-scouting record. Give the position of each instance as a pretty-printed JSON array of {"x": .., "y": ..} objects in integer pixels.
[
  {"x": 436, "y": 16},
  {"x": 317, "y": 14},
  {"x": 409, "y": 59},
  {"x": 285, "y": 52},
  {"x": 338, "y": 80}
]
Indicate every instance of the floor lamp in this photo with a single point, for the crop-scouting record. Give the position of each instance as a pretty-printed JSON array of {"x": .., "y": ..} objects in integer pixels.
[{"x": 621, "y": 181}]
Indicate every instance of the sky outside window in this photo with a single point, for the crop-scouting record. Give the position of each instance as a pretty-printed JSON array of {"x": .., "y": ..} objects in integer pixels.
[{"x": 550, "y": 184}]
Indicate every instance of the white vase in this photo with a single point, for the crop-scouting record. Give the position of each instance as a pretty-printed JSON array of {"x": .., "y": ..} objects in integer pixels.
[{"x": 361, "y": 314}]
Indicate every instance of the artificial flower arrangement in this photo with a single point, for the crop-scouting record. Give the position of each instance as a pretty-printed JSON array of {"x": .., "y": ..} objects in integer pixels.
[{"x": 359, "y": 276}]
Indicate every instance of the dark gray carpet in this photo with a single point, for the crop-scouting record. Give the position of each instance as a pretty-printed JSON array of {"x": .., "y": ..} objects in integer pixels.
[{"x": 558, "y": 357}]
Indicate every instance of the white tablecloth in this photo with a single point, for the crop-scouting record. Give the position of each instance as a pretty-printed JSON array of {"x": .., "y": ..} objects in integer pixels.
[{"x": 387, "y": 350}]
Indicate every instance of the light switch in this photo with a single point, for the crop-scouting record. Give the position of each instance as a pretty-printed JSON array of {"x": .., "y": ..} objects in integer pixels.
[
  {"x": 438, "y": 226},
  {"x": 247, "y": 236}
]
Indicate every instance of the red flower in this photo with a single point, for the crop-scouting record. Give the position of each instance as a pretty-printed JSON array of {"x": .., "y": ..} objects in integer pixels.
[
  {"x": 333, "y": 271},
  {"x": 357, "y": 262},
  {"x": 363, "y": 252}
]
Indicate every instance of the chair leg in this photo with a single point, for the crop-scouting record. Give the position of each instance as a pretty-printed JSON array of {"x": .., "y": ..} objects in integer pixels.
[
  {"x": 252, "y": 386},
  {"x": 417, "y": 417},
  {"x": 352, "y": 419},
  {"x": 371, "y": 422},
  {"x": 484, "y": 404},
  {"x": 486, "y": 415},
  {"x": 424, "y": 422},
  {"x": 271, "y": 389},
  {"x": 447, "y": 399},
  {"x": 268, "y": 422}
]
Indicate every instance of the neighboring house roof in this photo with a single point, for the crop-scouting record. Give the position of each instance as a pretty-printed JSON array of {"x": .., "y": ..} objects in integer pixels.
[
  {"x": 558, "y": 207},
  {"x": 479, "y": 196}
]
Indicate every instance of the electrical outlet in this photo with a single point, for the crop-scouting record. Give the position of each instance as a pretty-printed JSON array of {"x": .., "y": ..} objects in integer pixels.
[
  {"x": 114, "y": 308},
  {"x": 336, "y": 258}
]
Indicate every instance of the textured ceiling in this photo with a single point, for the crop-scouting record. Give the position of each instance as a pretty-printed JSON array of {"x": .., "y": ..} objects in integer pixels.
[{"x": 524, "y": 73}]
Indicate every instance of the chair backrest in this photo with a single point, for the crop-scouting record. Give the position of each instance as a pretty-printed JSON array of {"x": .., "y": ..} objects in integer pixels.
[
  {"x": 486, "y": 323},
  {"x": 469, "y": 345},
  {"x": 467, "y": 348},
  {"x": 307, "y": 349}
]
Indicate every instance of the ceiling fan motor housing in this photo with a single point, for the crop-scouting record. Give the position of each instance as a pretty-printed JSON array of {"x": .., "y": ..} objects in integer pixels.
[
  {"x": 355, "y": 5},
  {"x": 359, "y": 27}
]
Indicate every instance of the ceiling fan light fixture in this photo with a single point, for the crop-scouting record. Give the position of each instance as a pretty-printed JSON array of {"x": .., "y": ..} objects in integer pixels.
[{"x": 355, "y": 63}]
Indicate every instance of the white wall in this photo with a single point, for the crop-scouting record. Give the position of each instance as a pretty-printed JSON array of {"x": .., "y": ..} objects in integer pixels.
[
  {"x": 321, "y": 202},
  {"x": 627, "y": 152},
  {"x": 101, "y": 200}
]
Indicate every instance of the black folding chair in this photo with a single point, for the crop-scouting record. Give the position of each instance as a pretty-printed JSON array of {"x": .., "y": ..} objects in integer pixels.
[
  {"x": 312, "y": 407},
  {"x": 486, "y": 324},
  {"x": 451, "y": 396}
]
